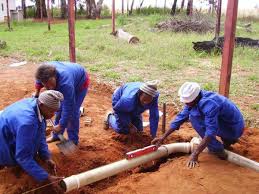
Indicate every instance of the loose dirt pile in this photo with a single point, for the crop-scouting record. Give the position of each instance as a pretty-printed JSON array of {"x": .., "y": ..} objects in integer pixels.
[{"x": 98, "y": 147}]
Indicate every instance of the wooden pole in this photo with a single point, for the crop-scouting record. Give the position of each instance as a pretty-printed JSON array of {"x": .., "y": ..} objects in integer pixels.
[
  {"x": 164, "y": 118},
  {"x": 229, "y": 42},
  {"x": 71, "y": 30},
  {"x": 8, "y": 15},
  {"x": 113, "y": 17},
  {"x": 217, "y": 32},
  {"x": 48, "y": 15}
]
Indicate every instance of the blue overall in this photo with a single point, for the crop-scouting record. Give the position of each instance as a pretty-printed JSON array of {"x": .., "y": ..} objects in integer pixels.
[
  {"x": 214, "y": 115},
  {"x": 128, "y": 109},
  {"x": 72, "y": 82},
  {"x": 22, "y": 137}
]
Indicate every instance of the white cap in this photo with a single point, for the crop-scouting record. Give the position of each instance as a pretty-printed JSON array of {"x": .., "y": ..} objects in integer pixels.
[{"x": 189, "y": 91}]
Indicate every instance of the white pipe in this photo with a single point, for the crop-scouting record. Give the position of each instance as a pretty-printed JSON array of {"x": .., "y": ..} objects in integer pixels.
[
  {"x": 91, "y": 176},
  {"x": 232, "y": 157},
  {"x": 242, "y": 161}
]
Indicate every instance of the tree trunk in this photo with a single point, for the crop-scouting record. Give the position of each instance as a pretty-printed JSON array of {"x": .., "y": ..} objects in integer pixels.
[
  {"x": 127, "y": 7},
  {"x": 189, "y": 8},
  {"x": 131, "y": 7},
  {"x": 98, "y": 9},
  {"x": 48, "y": 15},
  {"x": 75, "y": 10},
  {"x": 174, "y": 7},
  {"x": 90, "y": 9},
  {"x": 38, "y": 9},
  {"x": 182, "y": 4},
  {"x": 63, "y": 9},
  {"x": 122, "y": 6},
  {"x": 24, "y": 9},
  {"x": 8, "y": 16}
]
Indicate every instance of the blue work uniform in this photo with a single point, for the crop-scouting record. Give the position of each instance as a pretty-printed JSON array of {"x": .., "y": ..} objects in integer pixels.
[
  {"x": 72, "y": 82},
  {"x": 128, "y": 109},
  {"x": 214, "y": 115},
  {"x": 22, "y": 137}
]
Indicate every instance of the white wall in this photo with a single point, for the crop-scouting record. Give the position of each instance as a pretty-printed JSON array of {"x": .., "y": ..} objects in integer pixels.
[{"x": 3, "y": 13}]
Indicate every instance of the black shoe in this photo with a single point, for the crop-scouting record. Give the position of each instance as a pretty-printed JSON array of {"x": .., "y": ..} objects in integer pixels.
[{"x": 106, "y": 120}]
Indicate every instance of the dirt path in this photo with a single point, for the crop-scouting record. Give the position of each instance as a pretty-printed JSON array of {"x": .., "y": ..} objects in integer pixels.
[{"x": 98, "y": 147}]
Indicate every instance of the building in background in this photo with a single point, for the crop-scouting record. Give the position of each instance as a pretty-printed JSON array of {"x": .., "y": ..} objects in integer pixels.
[{"x": 3, "y": 9}]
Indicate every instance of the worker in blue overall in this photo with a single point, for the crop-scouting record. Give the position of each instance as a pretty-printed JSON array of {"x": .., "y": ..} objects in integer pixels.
[
  {"x": 22, "y": 134},
  {"x": 211, "y": 115},
  {"x": 72, "y": 81},
  {"x": 129, "y": 102}
]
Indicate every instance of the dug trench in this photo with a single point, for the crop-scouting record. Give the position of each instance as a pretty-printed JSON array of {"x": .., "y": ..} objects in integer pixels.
[{"x": 100, "y": 147}]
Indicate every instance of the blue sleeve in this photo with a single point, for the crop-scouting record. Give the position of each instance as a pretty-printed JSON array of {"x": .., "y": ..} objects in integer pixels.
[
  {"x": 124, "y": 104},
  {"x": 24, "y": 154},
  {"x": 67, "y": 105},
  {"x": 154, "y": 118},
  {"x": 210, "y": 110},
  {"x": 180, "y": 119},
  {"x": 43, "y": 149}
]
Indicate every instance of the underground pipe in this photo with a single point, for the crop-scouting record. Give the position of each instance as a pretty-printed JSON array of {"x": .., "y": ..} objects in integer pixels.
[{"x": 97, "y": 174}]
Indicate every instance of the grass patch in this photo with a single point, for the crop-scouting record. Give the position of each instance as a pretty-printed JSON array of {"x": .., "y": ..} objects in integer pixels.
[{"x": 166, "y": 56}]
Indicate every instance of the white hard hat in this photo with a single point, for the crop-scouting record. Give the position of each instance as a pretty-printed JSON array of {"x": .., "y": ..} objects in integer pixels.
[{"x": 189, "y": 91}]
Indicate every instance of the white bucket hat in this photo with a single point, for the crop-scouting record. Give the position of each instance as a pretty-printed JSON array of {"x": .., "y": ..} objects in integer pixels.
[{"x": 189, "y": 91}]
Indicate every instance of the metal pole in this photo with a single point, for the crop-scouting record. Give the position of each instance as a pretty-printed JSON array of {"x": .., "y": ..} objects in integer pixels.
[
  {"x": 48, "y": 15},
  {"x": 217, "y": 32},
  {"x": 71, "y": 30},
  {"x": 229, "y": 42},
  {"x": 8, "y": 15},
  {"x": 113, "y": 17},
  {"x": 164, "y": 118}
]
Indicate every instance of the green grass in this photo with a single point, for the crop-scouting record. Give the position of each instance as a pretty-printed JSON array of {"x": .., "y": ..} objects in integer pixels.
[{"x": 166, "y": 56}]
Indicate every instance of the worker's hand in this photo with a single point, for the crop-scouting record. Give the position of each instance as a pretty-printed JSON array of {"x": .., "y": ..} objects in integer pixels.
[
  {"x": 52, "y": 165},
  {"x": 54, "y": 187},
  {"x": 193, "y": 161},
  {"x": 157, "y": 141},
  {"x": 57, "y": 128}
]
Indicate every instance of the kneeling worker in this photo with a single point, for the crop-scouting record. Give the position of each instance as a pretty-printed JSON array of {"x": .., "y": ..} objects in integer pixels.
[
  {"x": 211, "y": 115},
  {"x": 22, "y": 134},
  {"x": 129, "y": 102}
]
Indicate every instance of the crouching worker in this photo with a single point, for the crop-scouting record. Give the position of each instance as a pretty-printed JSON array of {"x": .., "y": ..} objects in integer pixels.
[
  {"x": 22, "y": 135},
  {"x": 129, "y": 102},
  {"x": 211, "y": 115},
  {"x": 72, "y": 81}
]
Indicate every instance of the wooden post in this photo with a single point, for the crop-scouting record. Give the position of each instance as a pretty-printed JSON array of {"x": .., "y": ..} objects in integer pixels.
[
  {"x": 113, "y": 17},
  {"x": 48, "y": 15},
  {"x": 41, "y": 11},
  {"x": 71, "y": 30},
  {"x": 217, "y": 32},
  {"x": 8, "y": 15},
  {"x": 164, "y": 118},
  {"x": 229, "y": 42}
]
